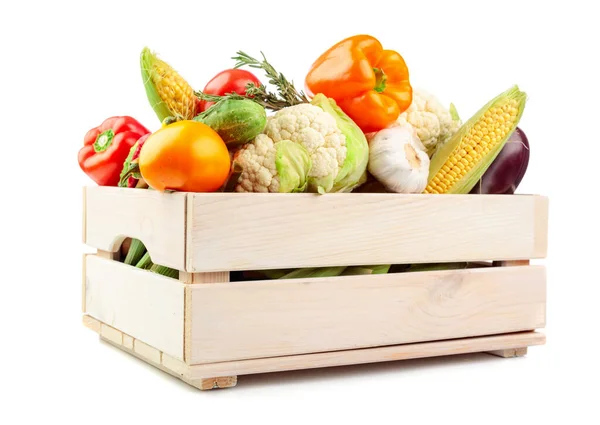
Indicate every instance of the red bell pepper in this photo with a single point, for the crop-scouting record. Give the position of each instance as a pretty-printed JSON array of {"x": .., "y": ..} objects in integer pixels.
[{"x": 106, "y": 147}]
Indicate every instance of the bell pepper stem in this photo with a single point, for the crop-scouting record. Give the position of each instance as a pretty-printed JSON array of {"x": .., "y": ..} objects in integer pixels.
[
  {"x": 104, "y": 140},
  {"x": 380, "y": 80}
]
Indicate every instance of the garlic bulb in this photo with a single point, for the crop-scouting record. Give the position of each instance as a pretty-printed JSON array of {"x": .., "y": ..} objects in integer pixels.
[{"x": 397, "y": 158}]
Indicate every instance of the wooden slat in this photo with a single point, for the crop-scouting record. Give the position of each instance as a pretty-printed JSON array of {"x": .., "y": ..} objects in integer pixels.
[
  {"x": 147, "y": 352},
  {"x": 109, "y": 255},
  {"x": 176, "y": 366},
  {"x": 244, "y": 320},
  {"x": 142, "y": 304},
  {"x": 369, "y": 355},
  {"x": 263, "y": 231},
  {"x": 91, "y": 323},
  {"x": 510, "y": 352},
  {"x": 128, "y": 341},
  {"x": 541, "y": 227},
  {"x": 83, "y": 212},
  {"x": 225, "y": 373},
  {"x": 157, "y": 219},
  {"x": 111, "y": 334},
  {"x": 83, "y": 283},
  {"x": 196, "y": 278},
  {"x": 511, "y": 263}
]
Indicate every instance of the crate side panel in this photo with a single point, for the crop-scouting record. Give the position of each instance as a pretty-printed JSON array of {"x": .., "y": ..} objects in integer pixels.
[
  {"x": 157, "y": 219},
  {"x": 267, "y": 231},
  {"x": 369, "y": 355},
  {"x": 142, "y": 304},
  {"x": 244, "y": 320}
]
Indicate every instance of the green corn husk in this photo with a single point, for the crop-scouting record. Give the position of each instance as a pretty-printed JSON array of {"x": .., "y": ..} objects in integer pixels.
[
  {"x": 275, "y": 273},
  {"x": 477, "y": 142},
  {"x": 135, "y": 253},
  {"x": 145, "y": 262},
  {"x": 165, "y": 271},
  {"x": 427, "y": 267},
  {"x": 360, "y": 270},
  {"x": 314, "y": 272},
  {"x": 168, "y": 93}
]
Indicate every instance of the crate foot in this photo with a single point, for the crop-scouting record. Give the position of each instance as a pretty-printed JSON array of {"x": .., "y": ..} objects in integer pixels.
[
  {"x": 214, "y": 383},
  {"x": 511, "y": 352}
]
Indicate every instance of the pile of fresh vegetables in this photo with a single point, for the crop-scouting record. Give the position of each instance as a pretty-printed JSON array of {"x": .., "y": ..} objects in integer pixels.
[{"x": 360, "y": 127}]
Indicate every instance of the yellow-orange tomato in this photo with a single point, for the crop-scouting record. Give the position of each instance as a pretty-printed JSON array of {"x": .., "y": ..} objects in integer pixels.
[{"x": 186, "y": 156}]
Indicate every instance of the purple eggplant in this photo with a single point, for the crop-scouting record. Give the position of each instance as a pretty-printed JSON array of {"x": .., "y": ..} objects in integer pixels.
[{"x": 506, "y": 172}]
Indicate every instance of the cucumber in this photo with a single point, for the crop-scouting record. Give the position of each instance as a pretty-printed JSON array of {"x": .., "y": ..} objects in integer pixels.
[{"x": 237, "y": 121}]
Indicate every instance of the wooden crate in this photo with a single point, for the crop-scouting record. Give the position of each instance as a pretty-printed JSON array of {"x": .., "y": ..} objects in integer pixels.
[{"x": 207, "y": 330}]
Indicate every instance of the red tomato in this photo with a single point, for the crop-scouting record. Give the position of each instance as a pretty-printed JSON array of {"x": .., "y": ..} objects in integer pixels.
[{"x": 228, "y": 81}]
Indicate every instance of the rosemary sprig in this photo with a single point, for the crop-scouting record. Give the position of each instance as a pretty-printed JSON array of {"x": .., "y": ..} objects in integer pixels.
[
  {"x": 287, "y": 94},
  {"x": 286, "y": 88}
]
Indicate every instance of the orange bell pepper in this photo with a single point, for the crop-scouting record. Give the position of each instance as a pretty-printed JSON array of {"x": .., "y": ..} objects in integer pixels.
[{"x": 370, "y": 84}]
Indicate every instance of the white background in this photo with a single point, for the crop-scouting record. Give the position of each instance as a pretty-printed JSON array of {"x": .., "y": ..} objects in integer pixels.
[{"x": 67, "y": 67}]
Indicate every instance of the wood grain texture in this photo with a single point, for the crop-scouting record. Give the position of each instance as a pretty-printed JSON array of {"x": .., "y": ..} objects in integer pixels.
[
  {"x": 145, "y": 359},
  {"x": 112, "y": 334},
  {"x": 510, "y": 352},
  {"x": 146, "y": 351},
  {"x": 369, "y": 355},
  {"x": 210, "y": 277},
  {"x": 225, "y": 373},
  {"x": 83, "y": 280},
  {"x": 214, "y": 383},
  {"x": 541, "y": 213},
  {"x": 128, "y": 341},
  {"x": 263, "y": 231},
  {"x": 165, "y": 362},
  {"x": 178, "y": 367},
  {"x": 140, "y": 303},
  {"x": 109, "y": 255},
  {"x": 91, "y": 323},
  {"x": 511, "y": 263},
  {"x": 244, "y": 320},
  {"x": 83, "y": 212},
  {"x": 157, "y": 219}
]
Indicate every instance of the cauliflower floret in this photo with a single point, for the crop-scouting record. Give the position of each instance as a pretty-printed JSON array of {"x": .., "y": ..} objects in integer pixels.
[
  {"x": 257, "y": 160},
  {"x": 268, "y": 166},
  {"x": 318, "y": 133},
  {"x": 432, "y": 120}
]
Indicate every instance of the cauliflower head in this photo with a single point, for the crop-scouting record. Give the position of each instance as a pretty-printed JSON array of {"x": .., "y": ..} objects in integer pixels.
[
  {"x": 267, "y": 166},
  {"x": 433, "y": 122},
  {"x": 317, "y": 131},
  {"x": 308, "y": 147}
]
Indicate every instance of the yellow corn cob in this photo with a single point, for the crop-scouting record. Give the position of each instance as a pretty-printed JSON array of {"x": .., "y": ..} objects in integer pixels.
[
  {"x": 464, "y": 158},
  {"x": 169, "y": 93}
]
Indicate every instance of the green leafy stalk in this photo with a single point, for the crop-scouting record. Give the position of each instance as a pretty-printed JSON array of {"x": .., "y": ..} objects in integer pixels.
[
  {"x": 165, "y": 271},
  {"x": 135, "y": 253},
  {"x": 314, "y": 272},
  {"x": 145, "y": 262},
  {"x": 360, "y": 270}
]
